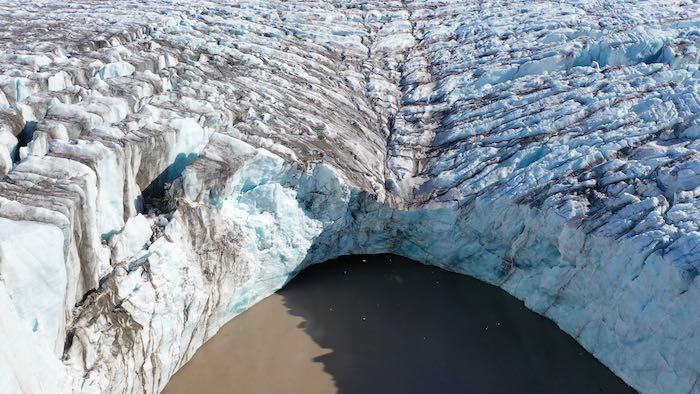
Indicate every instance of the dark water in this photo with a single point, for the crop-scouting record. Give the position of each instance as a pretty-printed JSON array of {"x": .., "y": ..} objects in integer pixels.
[{"x": 389, "y": 325}]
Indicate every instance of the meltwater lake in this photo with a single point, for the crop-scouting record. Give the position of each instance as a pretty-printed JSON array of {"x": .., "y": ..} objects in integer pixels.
[{"x": 386, "y": 324}]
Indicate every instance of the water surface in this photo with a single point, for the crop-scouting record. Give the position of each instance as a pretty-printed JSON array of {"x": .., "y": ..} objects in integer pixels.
[{"x": 384, "y": 324}]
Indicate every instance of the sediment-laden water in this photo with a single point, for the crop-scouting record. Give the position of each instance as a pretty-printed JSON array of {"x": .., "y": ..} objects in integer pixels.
[{"x": 384, "y": 324}]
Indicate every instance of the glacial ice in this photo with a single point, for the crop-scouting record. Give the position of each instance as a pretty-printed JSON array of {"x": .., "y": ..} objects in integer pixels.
[{"x": 168, "y": 165}]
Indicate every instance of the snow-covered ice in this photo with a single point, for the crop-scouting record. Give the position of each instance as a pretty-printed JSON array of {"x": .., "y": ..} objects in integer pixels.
[{"x": 169, "y": 164}]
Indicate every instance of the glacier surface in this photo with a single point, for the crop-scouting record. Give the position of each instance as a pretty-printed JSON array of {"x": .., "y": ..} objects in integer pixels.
[{"x": 167, "y": 165}]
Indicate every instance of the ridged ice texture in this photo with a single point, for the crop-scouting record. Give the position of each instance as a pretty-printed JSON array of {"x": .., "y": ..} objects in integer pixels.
[{"x": 169, "y": 164}]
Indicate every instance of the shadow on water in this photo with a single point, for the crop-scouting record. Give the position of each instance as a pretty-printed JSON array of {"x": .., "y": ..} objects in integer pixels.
[{"x": 394, "y": 326}]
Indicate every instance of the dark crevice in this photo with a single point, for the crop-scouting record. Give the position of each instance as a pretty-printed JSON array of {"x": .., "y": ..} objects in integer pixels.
[
  {"x": 68, "y": 342},
  {"x": 23, "y": 139},
  {"x": 86, "y": 295},
  {"x": 154, "y": 198}
]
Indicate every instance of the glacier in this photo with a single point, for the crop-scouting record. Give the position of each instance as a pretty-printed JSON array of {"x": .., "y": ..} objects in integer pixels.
[{"x": 167, "y": 165}]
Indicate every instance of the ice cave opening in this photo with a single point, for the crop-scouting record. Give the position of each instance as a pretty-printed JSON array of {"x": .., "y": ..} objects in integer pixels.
[{"x": 385, "y": 323}]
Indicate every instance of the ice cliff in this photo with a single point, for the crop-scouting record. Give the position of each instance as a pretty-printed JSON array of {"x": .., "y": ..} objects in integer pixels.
[{"x": 166, "y": 165}]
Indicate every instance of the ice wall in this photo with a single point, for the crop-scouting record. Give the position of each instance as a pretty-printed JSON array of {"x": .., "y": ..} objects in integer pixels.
[{"x": 168, "y": 166}]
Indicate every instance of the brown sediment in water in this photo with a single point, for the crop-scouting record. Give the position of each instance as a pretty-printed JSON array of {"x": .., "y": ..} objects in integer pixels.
[
  {"x": 262, "y": 350},
  {"x": 383, "y": 324}
]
